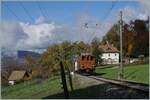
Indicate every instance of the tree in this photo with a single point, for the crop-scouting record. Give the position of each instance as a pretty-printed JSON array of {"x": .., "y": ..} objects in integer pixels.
[
  {"x": 95, "y": 50},
  {"x": 112, "y": 36},
  {"x": 30, "y": 62},
  {"x": 135, "y": 38},
  {"x": 141, "y": 38},
  {"x": 60, "y": 52}
]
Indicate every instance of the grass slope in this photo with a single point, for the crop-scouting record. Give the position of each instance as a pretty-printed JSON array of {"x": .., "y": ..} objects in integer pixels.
[
  {"x": 35, "y": 89},
  {"x": 32, "y": 89},
  {"x": 138, "y": 73}
]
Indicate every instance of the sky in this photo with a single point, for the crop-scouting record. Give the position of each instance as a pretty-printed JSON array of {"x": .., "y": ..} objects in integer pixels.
[
  {"x": 52, "y": 11},
  {"x": 38, "y": 24}
]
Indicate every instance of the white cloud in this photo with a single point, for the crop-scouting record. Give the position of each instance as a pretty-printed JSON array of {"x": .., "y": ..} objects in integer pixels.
[
  {"x": 146, "y": 5},
  {"x": 143, "y": 16},
  {"x": 41, "y": 19},
  {"x": 19, "y": 35},
  {"x": 39, "y": 35},
  {"x": 11, "y": 33},
  {"x": 132, "y": 13}
]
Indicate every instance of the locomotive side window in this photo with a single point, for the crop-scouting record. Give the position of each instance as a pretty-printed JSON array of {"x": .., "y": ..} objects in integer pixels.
[
  {"x": 87, "y": 57},
  {"x": 83, "y": 57},
  {"x": 91, "y": 57}
]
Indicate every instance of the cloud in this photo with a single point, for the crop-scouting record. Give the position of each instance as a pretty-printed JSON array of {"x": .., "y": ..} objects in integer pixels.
[
  {"x": 78, "y": 32},
  {"x": 130, "y": 13},
  {"x": 41, "y": 19},
  {"x": 11, "y": 33},
  {"x": 39, "y": 35},
  {"x": 146, "y": 5},
  {"x": 143, "y": 16},
  {"x": 20, "y": 35}
]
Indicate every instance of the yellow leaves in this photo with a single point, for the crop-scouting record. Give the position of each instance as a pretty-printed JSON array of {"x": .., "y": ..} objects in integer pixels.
[{"x": 130, "y": 47}]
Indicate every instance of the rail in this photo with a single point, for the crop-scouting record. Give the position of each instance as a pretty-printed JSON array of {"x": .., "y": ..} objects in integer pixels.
[{"x": 141, "y": 87}]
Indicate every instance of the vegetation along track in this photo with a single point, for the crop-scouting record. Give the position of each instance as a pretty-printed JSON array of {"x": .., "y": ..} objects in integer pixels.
[{"x": 140, "y": 87}]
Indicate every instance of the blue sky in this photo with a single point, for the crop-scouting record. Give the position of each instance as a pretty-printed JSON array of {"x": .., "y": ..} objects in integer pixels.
[
  {"x": 39, "y": 24},
  {"x": 59, "y": 12}
]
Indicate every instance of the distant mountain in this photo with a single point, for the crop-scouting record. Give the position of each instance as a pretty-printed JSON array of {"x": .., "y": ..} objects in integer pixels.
[
  {"x": 8, "y": 57},
  {"x": 16, "y": 56},
  {"x": 40, "y": 51},
  {"x": 8, "y": 53},
  {"x": 21, "y": 54}
]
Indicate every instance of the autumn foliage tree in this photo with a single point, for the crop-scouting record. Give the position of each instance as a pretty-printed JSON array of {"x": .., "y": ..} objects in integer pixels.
[
  {"x": 135, "y": 38},
  {"x": 96, "y": 51},
  {"x": 64, "y": 51}
]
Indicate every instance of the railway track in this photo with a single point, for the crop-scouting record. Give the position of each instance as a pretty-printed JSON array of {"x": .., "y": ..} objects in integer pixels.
[{"x": 140, "y": 87}]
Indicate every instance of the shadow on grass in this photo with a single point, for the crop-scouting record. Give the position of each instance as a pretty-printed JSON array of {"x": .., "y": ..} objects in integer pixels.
[
  {"x": 95, "y": 74},
  {"x": 98, "y": 74},
  {"x": 102, "y": 91}
]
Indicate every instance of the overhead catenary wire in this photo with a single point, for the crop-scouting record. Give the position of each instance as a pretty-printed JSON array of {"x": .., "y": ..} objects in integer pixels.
[
  {"x": 105, "y": 17},
  {"x": 31, "y": 18},
  {"x": 43, "y": 12},
  {"x": 13, "y": 13}
]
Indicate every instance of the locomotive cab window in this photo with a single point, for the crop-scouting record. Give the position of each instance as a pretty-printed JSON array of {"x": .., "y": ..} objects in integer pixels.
[
  {"x": 83, "y": 57},
  {"x": 91, "y": 57},
  {"x": 87, "y": 57}
]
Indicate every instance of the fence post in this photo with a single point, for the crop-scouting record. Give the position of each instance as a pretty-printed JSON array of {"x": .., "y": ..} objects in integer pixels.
[{"x": 63, "y": 78}]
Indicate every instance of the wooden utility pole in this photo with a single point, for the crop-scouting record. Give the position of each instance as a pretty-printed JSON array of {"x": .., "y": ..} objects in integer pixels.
[
  {"x": 120, "y": 76},
  {"x": 63, "y": 78},
  {"x": 69, "y": 78},
  {"x": 148, "y": 23}
]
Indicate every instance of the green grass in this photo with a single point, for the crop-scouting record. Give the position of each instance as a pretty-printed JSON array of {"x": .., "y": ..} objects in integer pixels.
[
  {"x": 138, "y": 73},
  {"x": 35, "y": 90},
  {"x": 32, "y": 89}
]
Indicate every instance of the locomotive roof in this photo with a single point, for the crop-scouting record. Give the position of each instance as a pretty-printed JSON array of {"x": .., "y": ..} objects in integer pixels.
[{"x": 85, "y": 54}]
